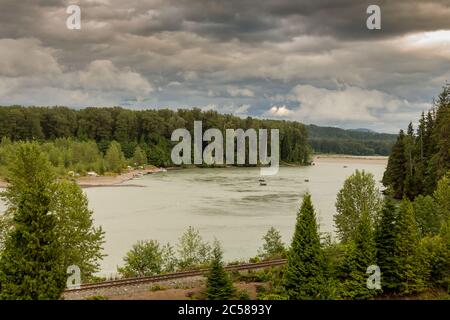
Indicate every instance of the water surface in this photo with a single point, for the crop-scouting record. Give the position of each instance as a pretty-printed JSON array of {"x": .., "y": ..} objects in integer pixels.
[{"x": 228, "y": 204}]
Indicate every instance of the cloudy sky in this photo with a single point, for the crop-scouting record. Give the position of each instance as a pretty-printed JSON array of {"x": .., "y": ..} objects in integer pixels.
[{"x": 309, "y": 60}]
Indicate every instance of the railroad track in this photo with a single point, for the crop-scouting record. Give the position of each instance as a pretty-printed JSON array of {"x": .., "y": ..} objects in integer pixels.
[{"x": 169, "y": 276}]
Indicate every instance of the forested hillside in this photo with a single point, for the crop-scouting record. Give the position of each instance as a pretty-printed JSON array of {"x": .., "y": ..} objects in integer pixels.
[
  {"x": 420, "y": 157},
  {"x": 78, "y": 139},
  {"x": 354, "y": 142}
]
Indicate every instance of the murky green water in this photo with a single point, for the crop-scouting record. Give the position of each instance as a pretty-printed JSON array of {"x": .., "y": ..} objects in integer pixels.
[{"x": 228, "y": 204}]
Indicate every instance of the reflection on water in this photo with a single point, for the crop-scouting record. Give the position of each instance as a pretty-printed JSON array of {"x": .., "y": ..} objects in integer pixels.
[{"x": 228, "y": 204}]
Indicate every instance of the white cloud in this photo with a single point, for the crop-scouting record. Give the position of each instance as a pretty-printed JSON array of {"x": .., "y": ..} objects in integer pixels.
[
  {"x": 347, "y": 105},
  {"x": 279, "y": 111}
]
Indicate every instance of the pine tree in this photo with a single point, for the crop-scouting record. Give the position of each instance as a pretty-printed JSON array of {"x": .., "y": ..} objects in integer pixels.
[
  {"x": 407, "y": 270},
  {"x": 441, "y": 133},
  {"x": 304, "y": 274},
  {"x": 409, "y": 188},
  {"x": 218, "y": 285},
  {"x": 395, "y": 173},
  {"x": 360, "y": 255},
  {"x": 32, "y": 263},
  {"x": 385, "y": 238}
]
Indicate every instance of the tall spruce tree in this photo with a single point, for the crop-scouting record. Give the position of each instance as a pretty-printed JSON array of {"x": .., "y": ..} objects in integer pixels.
[
  {"x": 304, "y": 274},
  {"x": 218, "y": 285},
  {"x": 407, "y": 267},
  {"x": 32, "y": 262},
  {"x": 360, "y": 255},
  {"x": 395, "y": 173},
  {"x": 385, "y": 238}
]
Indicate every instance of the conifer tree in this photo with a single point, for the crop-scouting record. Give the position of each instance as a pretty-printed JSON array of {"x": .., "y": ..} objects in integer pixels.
[
  {"x": 407, "y": 270},
  {"x": 385, "y": 238},
  {"x": 304, "y": 274},
  {"x": 360, "y": 256},
  {"x": 395, "y": 173},
  {"x": 32, "y": 263},
  {"x": 218, "y": 285}
]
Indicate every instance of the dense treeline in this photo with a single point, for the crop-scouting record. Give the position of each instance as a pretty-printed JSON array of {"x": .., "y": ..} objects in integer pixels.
[
  {"x": 421, "y": 157},
  {"x": 354, "y": 142},
  {"x": 149, "y": 129}
]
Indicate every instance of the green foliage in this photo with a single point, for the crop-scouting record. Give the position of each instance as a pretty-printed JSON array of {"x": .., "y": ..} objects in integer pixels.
[
  {"x": 358, "y": 195},
  {"x": 442, "y": 196},
  {"x": 273, "y": 247},
  {"x": 386, "y": 241},
  {"x": 218, "y": 284},
  {"x": 407, "y": 270},
  {"x": 146, "y": 258},
  {"x": 32, "y": 261},
  {"x": 114, "y": 158},
  {"x": 81, "y": 241},
  {"x": 304, "y": 275},
  {"x": 150, "y": 129},
  {"x": 355, "y": 142},
  {"x": 432, "y": 255},
  {"x": 359, "y": 256},
  {"x": 192, "y": 250},
  {"x": 419, "y": 159},
  {"x": 139, "y": 157},
  {"x": 427, "y": 215}
]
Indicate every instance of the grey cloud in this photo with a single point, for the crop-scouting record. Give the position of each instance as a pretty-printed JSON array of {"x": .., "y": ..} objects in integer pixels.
[{"x": 221, "y": 53}]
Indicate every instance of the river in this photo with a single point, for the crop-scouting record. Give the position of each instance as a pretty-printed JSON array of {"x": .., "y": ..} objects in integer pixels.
[{"x": 228, "y": 204}]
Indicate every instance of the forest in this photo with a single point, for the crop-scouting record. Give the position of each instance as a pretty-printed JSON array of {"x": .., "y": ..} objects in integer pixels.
[
  {"x": 353, "y": 142},
  {"x": 421, "y": 156},
  {"x": 80, "y": 138}
]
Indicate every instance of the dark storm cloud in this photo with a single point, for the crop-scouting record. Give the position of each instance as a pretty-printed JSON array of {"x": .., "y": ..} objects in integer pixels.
[{"x": 233, "y": 56}]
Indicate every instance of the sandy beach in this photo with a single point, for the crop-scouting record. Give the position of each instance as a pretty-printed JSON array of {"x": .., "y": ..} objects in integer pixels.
[
  {"x": 108, "y": 181},
  {"x": 350, "y": 159}
]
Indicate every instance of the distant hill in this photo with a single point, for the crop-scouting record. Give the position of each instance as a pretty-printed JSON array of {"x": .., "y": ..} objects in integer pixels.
[
  {"x": 362, "y": 130},
  {"x": 353, "y": 141}
]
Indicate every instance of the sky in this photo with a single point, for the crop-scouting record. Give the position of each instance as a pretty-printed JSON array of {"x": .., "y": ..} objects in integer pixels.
[{"x": 312, "y": 61}]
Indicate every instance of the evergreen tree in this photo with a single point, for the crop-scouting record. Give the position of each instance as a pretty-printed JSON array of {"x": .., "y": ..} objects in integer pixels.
[
  {"x": 407, "y": 271},
  {"x": 304, "y": 274},
  {"x": 385, "y": 238},
  {"x": 32, "y": 262},
  {"x": 360, "y": 255},
  {"x": 218, "y": 284},
  {"x": 395, "y": 173},
  {"x": 441, "y": 133}
]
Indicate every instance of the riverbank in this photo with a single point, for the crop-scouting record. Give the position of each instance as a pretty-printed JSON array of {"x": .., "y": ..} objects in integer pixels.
[
  {"x": 118, "y": 180},
  {"x": 109, "y": 181},
  {"x": 339, "y": 158}
]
